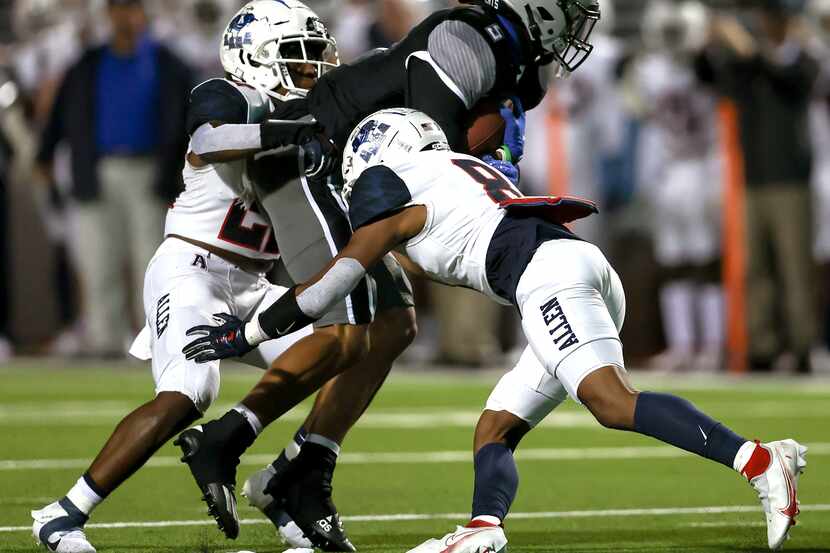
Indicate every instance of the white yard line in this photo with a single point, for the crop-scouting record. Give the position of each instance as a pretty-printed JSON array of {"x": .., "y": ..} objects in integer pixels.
[
  {"x": 414, "y": 457},
  {"x": 671, "y": 511}
]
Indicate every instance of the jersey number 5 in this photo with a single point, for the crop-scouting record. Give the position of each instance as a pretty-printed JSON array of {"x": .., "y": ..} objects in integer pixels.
[{"x": 497, "y": 186}]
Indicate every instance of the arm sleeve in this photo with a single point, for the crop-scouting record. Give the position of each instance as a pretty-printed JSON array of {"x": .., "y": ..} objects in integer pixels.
[
  {"x": 335, "y": 285},
  {"x": 464, "y": 60}
]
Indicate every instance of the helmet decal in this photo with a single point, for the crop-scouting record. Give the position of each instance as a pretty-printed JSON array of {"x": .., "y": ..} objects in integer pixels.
[
  {"x": 369, "y": 138},
  {"x": 234, "y": 37}
]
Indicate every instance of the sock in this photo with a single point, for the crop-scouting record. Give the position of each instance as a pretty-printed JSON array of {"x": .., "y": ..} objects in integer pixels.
[
  {"x": 752, "y": 460},
  {"x": 711, "y": 309},
  {"x": 676, "y": 421},
  {"x": 233, "y": 431},
  {"x": 325, "y": 442},
  {"x": 676, "y": 305},
  {"x": 496, "y": 482},
  {"x": 85, "y": 495},
  {"x": 483, "y": 521},
  {"x": 251, "y": 417},
  {"x": 291, "y": 450}
]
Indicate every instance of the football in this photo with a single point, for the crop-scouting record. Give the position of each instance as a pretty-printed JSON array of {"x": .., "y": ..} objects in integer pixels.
[{"x": 485, "y": 131}]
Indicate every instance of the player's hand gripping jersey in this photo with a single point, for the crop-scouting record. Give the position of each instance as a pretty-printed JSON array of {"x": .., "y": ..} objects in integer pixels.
[{"x": 217, "y": 206}]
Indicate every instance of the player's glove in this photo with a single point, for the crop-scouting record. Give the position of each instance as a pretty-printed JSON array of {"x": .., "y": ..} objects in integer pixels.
[
  {"x": 320, "y": 156},
  {"x": 514, "y": 131},
  {"x": 505, "y": 167},
  {"x": 217, "y": 342}
]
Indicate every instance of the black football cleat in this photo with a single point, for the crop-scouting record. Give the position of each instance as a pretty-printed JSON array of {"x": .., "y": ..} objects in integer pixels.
[
  {"x": 215, "y": 475},
  {"x": 304, "y": 491}
]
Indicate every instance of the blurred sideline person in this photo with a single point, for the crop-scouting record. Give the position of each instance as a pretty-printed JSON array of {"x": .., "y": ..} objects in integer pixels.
[
  {"x": 819, "y": 11},
  {"x": 465, "y": 224},
  {"x": 594, "y": 130},
  {"x": 121, "y": 109},
  {"x": 681, "y": 181},
  {"x": 771, "y": 79}
]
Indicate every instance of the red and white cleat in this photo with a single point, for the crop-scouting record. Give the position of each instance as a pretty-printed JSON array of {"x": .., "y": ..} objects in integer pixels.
[
  {"x": 773, "y": 470},
  {"x": 475, "y": 538}
]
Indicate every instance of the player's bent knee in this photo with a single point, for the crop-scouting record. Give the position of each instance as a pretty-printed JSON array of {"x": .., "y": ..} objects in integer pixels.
[
  {"x": 349, "y": 343},
  {"x": 608, "y": 396},
  {"x": 396, "y": 327},
  {"x": 499, "y": 427}
]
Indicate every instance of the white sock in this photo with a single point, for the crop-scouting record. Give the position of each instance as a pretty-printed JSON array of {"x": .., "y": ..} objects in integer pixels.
[
  {"x": 676, "y": 304},
  {"x": 489, "y": 519},
  {"x": 742, "y": 458},
  {"x": 712, "y": 316},
  {"x": 325, "y": 442},
  {"x": 82, "y": 496},
  {"x": 251, "y": 417}
]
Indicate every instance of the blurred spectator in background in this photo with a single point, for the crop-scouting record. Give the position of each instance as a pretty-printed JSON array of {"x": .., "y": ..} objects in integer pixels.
[
  {"x": 586, "y": 110},
  {"x": 121, "y": 109},
  {"x": 363, "y": 25},
  {"x": 771, "y": 77},
  {"x": 819, "y": 12},
  {"x": 8, "y": 95},
  {"x": 681, "y": 181},
  {"x": 196, "y": 34}
]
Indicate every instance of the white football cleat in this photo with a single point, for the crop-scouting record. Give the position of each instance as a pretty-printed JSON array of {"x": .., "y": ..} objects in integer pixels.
[
  {"x": 54, "y": 528},
  {"x": 481, "y": 539},
  {"x": 254, "y": 491},
  {"x": 777, "y": 488}
]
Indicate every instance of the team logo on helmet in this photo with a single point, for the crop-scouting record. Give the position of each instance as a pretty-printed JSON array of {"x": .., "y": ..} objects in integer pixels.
[
  {"x": 235, "y": 37},
  {"x": 368, "y": 139}
]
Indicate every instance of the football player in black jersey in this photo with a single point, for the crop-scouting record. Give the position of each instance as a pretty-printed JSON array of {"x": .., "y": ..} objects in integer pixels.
[{"x": 444, "y": 66}]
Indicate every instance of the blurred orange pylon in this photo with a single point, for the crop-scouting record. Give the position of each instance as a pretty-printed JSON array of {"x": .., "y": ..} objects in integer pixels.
[{"x": 734, "y": 239}]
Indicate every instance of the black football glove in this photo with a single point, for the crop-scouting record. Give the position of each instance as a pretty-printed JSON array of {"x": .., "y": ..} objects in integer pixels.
[
  {"x": 320, "y": 156},
  {"x": 217, "y": 342}
]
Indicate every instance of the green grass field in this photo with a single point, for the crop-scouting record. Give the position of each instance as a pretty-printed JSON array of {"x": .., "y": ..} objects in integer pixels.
[{"x": 406, "y": 472}]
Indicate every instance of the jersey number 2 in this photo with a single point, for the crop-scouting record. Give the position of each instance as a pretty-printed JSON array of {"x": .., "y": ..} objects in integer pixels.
[
  {"x": 497, "y": 186},
  {"x": 238, "y": 231}
]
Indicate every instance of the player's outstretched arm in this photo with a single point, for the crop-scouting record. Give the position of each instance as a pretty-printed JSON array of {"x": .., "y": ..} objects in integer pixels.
[
  {"x": 307, "y": 302},
  {"x": 217, "y": 142}
]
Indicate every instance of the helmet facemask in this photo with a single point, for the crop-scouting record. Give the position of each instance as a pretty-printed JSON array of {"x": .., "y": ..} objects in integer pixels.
[
  {"x": 573, "y": 48},
  {"x": 311, "y": 48}
]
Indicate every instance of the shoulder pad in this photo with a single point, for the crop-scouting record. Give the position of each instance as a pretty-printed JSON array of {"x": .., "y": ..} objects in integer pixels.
[
  {"x": 378, "y": 192},
  {"x": 225, "y": 101}
]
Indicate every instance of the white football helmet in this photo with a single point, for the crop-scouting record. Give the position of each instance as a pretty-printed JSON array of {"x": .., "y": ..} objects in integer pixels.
[
  {"x": 266, "y": 36},
  {"x": 558, "y": 27},
  {"x": 388, "y": 137},
  {"x": 676, "y": 28}
]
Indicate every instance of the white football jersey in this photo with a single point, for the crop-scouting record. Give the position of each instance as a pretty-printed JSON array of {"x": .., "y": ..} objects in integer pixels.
[
  {"x": 461, "y": 194},
  {"x": 210, "y": 208}
]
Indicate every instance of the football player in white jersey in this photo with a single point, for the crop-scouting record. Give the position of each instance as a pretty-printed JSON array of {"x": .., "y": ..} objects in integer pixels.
[
  {"x": 464, "y": 224},
  {"x": 217, "y": 250},
  {"x": 680, "y": 173}
]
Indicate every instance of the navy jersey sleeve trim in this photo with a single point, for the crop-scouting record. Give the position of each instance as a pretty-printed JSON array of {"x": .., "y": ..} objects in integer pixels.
[
  {"x": 378, "y": 192},
  {"x": 216, "y": 100}
]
